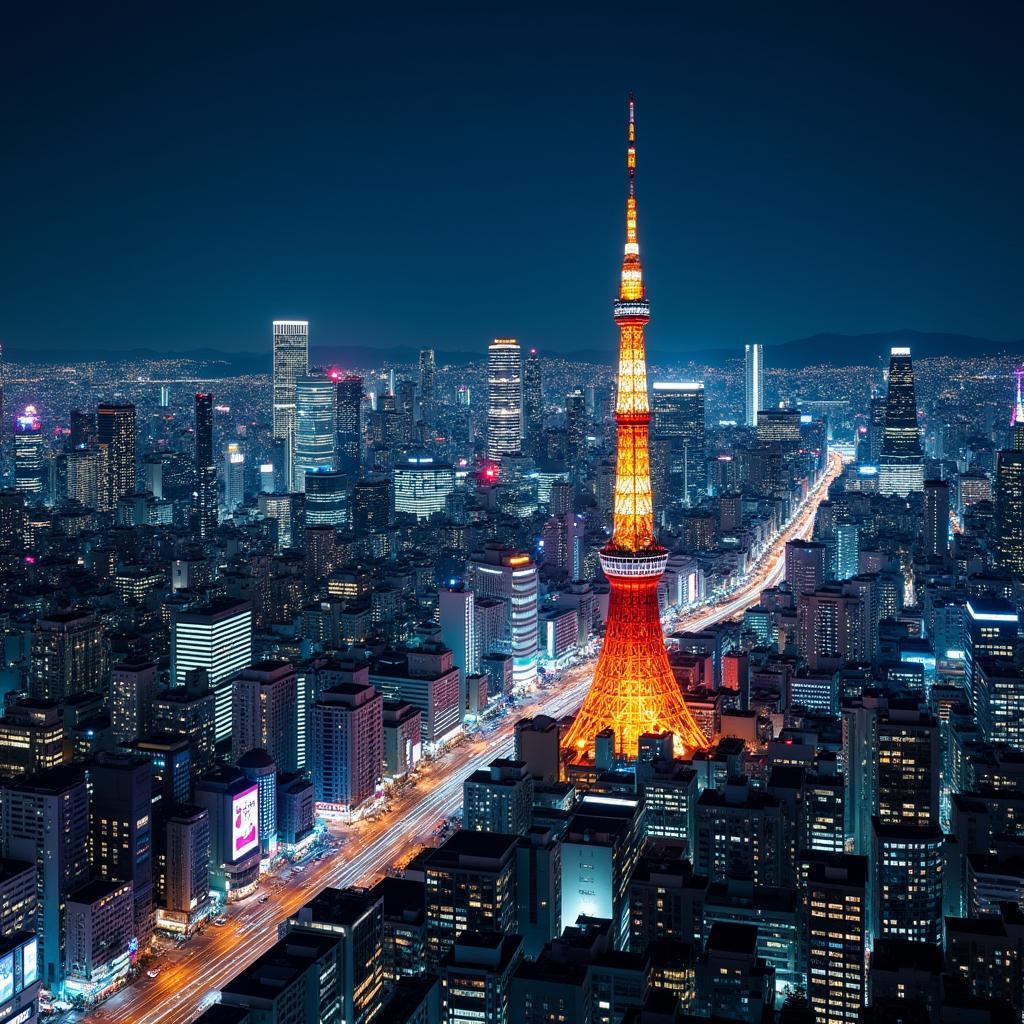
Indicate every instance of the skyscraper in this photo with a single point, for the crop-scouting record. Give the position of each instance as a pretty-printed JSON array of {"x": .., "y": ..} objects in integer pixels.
[
  {"x": 218, "y": 638},
  {"x": 753, "y": 365},
  {"x": 1009, "y": 511},
  {"x": 936, "y": 518},
  {"x": 422, "y": 483},
  {"x": 29, "y": 445},
  {"x": 206, "y": 471},
  {"x": 511, "y": 577},
  {"x": 291, "y": 361},
  {"x": 533, "y": 403},
  {"x": 327, "y": 499},
  {"x": 115, "y": 430},
  {"x": 350, "y": 433},
  {"x": 427, "y": 368},
  {"x": 876, "y": 430},
  {"x": 44, "y": 819},
  {"x": 901, "y": 469},
  {"x": 504, "y": 398},
  {"x": 264, "y": 713},
  {"x": 234, "y": 477},
  {"x": 575, "y": 427},
  {"x": 1017, "y": 419},
  {"x": 634, "y": 690},
  {"x": 316, "y": 428},
  {"x": 679, "y": 417}
]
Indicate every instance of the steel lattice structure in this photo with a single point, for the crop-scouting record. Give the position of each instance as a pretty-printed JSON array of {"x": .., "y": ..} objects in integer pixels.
[{"x": 634, "y": 690}]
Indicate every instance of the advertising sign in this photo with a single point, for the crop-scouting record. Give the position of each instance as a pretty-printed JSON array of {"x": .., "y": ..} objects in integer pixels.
[
  {"x": 30, "y": 962},
  {"x": 244, "y": 822}
]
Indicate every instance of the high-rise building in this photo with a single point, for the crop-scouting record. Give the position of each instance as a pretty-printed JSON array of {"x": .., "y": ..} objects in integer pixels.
[
  {"x": 533, "y": 403},
  {"x": 234, "y": 477},
  {"x": 1009, "y": 511},
  {"x": 936, "y": 518},
  {"x": 347, "y": 730},
  {"x": 327, "y": 498},
  {"x": 471, "y": 886},
  {"x": 87, "y": 478},
  {"x": 31, "y": 736},
  {"x": 133, "y": 686},
  {"x": 217, "y": 638},
  {"x": 457, "y": 612},
  {"x": 115, "y": 430},
  {"x": 232, "y": 802},
  {"x": 876, "y": 431},
  {"x": 29, "y": 451},
  {"x": 498, "y": 798},
  {"x": 190, "y": 711},
  {"x": 422, "y": 485},
  {"x": 901, "y": 468},
  {"x": 44, "y": 819},
  {"x": 265, "y": 714},
  {"x": 504, "y": 398},
  {"x": 371, "y": 505},
  {"x": 291, "y": 361},
  {"x": 679, "y": 417},
  {"x": 575, "y": 428},
  {"x": 1017, "y": 417},
  {"x": 100, "y": 936},
  {"x": 186, "y": 884},
  {"x": 68, "y": 655},
  {"x": 206, "y": 471},
  {"x": 259, "y": 767},
  {"x": 476, "y": 978},
  {"x": 634, "y": 690},
  {"x": 316, "y": 427},
  {"x": 805, "y": 566},
  {"x": 753, "y": 375},
  {"x": 834, "y": 890},
  {"x": 511, "y": 577},
  {"x": 427, "y": 368},
  {"x": 12, "y": 529},
  {"x": 356, "y": 920},
  {"x": 121, "y": 829},
  {"x": 350, "y": 430}
]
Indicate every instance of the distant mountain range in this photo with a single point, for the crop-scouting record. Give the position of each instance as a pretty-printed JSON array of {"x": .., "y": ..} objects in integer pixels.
[{"x": 835, "y": 349}]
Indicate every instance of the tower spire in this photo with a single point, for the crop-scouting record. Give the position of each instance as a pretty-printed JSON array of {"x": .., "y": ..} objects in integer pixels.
[
  {"x": 1018, "y": 408},
  {"x": 631, "y": 287},
  {"x": 634, "y": 690}
]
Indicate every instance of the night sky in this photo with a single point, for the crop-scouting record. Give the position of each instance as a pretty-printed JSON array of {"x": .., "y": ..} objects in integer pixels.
[{"x": 175, "y": 176}]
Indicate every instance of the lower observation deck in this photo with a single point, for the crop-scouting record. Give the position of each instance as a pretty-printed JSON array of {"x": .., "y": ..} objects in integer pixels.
[
  {"x": 632, "y": 309},
  {"x": 634, "y": 564}
]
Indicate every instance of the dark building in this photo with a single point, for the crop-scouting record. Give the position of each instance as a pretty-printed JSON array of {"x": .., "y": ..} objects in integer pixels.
[{"x": 205, "y": 468}]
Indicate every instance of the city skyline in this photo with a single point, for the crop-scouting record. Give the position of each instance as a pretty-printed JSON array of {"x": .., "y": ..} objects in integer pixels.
[
  {"x": 340, "y": 686},
  {"x": 863, "y": 164}
]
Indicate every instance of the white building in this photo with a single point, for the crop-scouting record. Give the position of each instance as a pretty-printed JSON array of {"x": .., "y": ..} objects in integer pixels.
[
  {"x": 511, "y": 576},
  {"x": 753, "y": 359},
  {"x": 504, "y": 398},
  {"x": 421, "y": 485},
  {"x": 217, "y": 638}
]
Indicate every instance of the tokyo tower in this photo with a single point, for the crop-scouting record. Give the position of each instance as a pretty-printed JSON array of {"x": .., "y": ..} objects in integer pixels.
[{"x": 634, "y": 691}]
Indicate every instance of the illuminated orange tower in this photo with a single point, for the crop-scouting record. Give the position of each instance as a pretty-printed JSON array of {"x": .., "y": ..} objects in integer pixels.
[{"x": 634, "y": 690}]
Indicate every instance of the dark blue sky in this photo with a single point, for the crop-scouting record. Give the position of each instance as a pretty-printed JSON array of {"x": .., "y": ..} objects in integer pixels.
[{"x": 175, "y": 176}]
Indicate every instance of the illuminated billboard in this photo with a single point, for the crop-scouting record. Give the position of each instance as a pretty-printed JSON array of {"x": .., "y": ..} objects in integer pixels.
[
  {"x": 6, "y": 977},
  {"x": 30, "y": 962},
  {"x": 244, "y": 822}
]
